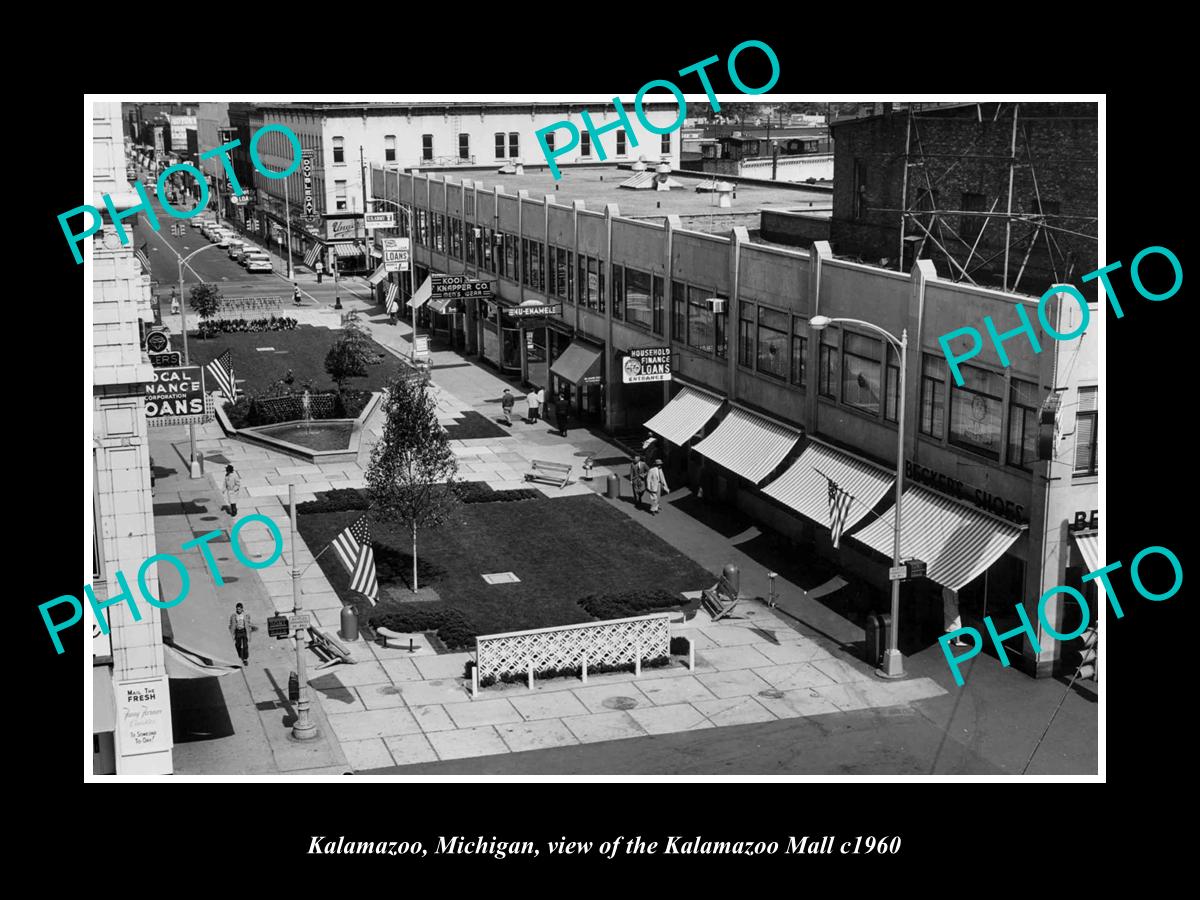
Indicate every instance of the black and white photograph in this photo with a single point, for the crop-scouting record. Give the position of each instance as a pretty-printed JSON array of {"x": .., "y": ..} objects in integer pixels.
[{"x": 713, "y": 432}]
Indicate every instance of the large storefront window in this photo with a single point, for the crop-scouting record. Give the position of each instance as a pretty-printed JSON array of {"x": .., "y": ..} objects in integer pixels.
[
  {"x": 1086, "y": 460},
  {"x": 799, "y": 346},
  {"x": 423, "y": 226},
  {"x": 532, "y": 263},
  {"x": 772, "y": 343},
  {"x": 719, "y": 328},
  {"x": 746, "y": 334},
  {"x": 618, "y": 289},
  {"x": 472, "y": 244},
  {"x": 892, "y": 412},
  {"x": 678, "y": 312},
  {"x": 487, "y": 255},
  {"x": 439, "y": 232},
  {"x": 933, "y": 396},
  {"x": 860, "y": 372},
  {"x": 456, "y": 247},
  {"x": 828, "y": 363},
  {"x": 975, "y": 411},
  {"x": 700, "y": 320},
  {"x": 1023, "y": 403},
  {"x": 642, "y": 307},
  {"x": 591, "y": 283}
]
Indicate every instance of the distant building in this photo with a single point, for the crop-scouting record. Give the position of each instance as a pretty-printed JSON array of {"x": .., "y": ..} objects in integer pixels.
[{"x": 958, "y": 171}]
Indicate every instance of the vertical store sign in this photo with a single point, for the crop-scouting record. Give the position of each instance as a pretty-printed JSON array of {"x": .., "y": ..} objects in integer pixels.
[
  {"x": 306, "y": 172},
  {"x": 143, "y": 716}
]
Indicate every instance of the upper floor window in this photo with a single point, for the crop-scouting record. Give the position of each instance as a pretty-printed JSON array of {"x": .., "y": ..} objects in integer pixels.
[
  {"x": 427, "y": 146},
  {"x": 933, "y": 396},
  {"x": 975, "y": 411},
  {"x": 666, "y": 144},
  {"x": 339, "y": 194},
  {"x": 499, "y": 145},
  {"x": 1086, "y": 460},
  {"x": 339, "y": 151},
  {"x": 772, "y": 343},
  {"x": 861, "y": 372},
  {"x": 1023, "y": 405},
  {"x": 585, "y": 143},
  {"x": 620, "y": 142},
  {"x": 514, "y": 144},
  {"x": 464, "y": 146},
  {"x": 389, "y": 148}
]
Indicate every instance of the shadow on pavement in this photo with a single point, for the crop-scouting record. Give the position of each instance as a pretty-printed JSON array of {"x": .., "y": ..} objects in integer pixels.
[{"x": 198, "y": 710}]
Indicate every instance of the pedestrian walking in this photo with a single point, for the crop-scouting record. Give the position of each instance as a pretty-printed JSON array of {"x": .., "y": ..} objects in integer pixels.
[
  {"x": 320, "y": 270},
  {"x": 952, "y": 618},
  {"x": 174, "y": 303},
  {"x": 506, "y": 405},
  {"x": 233, "y": 488},
  {"x": 637, "y": 478},
  {"x": 562, "y": 413},
  {"x": 239, "y": 627},
  {"x": 532, "y": 400},
  {"x": 296, "y": 293},
  {"x": 656, "y": 484},
  {"x": 545, "y": 410}
]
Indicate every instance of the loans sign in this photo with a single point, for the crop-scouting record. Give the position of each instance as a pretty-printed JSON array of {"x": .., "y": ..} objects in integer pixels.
[
  {"x": 647, "y": 364},
  {"x": 176, "y": 396}
]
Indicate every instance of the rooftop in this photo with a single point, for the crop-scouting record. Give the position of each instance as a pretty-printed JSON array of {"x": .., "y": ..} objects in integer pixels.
[{"x": 598, "y": 185}]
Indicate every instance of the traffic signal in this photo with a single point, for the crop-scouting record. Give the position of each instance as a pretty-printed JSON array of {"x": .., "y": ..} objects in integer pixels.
[{"x": 1087, "y": 662}]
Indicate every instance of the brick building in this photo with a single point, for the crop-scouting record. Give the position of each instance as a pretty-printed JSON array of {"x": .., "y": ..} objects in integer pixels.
[{"x": 958, "y": 169}]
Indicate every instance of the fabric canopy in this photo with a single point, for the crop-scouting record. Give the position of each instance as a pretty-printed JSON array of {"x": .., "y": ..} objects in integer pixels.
[
  {"x": 196, "y": 639},
  {"x": 748, "y": 444},
  {"x": 576, "y": 363},
  {"x": 805, "y": 485},
  {"x": 686, "y": 414},
  {"x": 184, "y": 664},
  {"x": 422, "y": 294},
  {"x": 345, "y": 250},
  {"x": 956, "y": 542},
  {"x": 104, "y": 710},
  {"x": 377, "y": 276},
  {"x": 439, "y": 306},
  {"x": 1088, "y": 543}
]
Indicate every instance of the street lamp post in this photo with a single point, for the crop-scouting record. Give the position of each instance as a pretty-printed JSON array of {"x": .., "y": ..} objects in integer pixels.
[
  {"x": 893, "y": 662},
  {"x": 194, "y": 465}
]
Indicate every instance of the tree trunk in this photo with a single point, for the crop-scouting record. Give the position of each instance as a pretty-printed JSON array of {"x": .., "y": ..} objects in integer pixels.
[{"x": 414, "y": 535}]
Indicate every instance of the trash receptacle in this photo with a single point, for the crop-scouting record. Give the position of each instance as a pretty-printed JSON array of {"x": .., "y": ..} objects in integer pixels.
[
  {"x": 294, "y": 687},
  {"x": 200, "y": 459},
  {"x": 614, "y": 487},
  {"x": 349, "y": 624},
  {"x": 877, "y": 628},
  {"x": 733, "y": 575}
]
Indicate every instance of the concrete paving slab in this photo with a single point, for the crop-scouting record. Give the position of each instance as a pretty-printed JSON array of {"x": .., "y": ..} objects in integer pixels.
[
  {"x": 338, "y": 699},
  {"x": 425, "y": 693},
  {"x": 669, "y": 691},
  {"x": 446, "y": 665},
  {"x": 601, "y": 698},
  {"x": 358, "y": 726},
  {"x": 380, "y": 696},
  {"x": 542, "y": 705},
  {"x": 433, "y": 718},
  {"x": 850, "y": 695},
  {"x": 536, "y": 735},
  {"x": 797, "y": 703},
  {"x": 482, "y": 741},
  {"x": 842, "y": 671},
  {"x": 401, "y": 670},
  {"x": 733, "y": 683},
  {"x": 731, "y": 636},
  {"x": 369, "y": 754},
  {"x": 605, "y": 726},
  {"x": 722, "y": 658},
  {"x": 483, "y": 712},
  {"x": 669, "y": 719},
  {"x": 364, "y": 671},
  {"x": 410, "y": 748},
  {"x": 734, "y": 711},
  {"x": 792, "y": 676},
  {"x": 793, "y": 651}
]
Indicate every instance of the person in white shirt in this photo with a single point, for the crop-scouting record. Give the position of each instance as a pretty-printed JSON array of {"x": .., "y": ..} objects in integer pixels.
[
  {"x": 532, "y": 399},
  {"x": 656, "y": 485}
]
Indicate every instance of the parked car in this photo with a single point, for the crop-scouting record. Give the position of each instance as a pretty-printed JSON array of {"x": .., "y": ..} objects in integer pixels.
[
  {"x": 253, "y": 253},
  {"x": 258, "y": 264},
  {"x": 235, "y": 247},
  {"x": 223, "y": 238}
]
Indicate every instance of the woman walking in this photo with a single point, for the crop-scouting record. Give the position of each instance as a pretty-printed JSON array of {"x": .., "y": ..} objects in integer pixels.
[{"x": 233, "y": 489}]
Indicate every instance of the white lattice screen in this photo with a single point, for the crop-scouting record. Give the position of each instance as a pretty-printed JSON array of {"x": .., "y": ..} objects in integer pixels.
[{"x": 611, "y": 642}]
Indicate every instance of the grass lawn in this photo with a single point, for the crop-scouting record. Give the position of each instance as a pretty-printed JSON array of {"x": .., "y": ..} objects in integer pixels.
[
  {"x": 561, "y": 549},
  {"x": 302, "y": 350}
]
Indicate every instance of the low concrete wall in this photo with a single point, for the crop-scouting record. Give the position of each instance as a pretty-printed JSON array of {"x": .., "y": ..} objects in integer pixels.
[
  {"x": 793, "y": 227},
  {"x": 253, "y": 436}
]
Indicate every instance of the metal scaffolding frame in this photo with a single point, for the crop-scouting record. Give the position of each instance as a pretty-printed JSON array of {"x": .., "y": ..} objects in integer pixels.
[{"x": 1022, "y": 231}]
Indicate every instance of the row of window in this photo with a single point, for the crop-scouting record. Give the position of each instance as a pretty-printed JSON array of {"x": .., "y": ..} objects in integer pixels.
[{"x": 508, "y": 145}]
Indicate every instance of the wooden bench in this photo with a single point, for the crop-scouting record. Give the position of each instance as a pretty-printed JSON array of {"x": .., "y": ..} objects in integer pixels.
[
  {"x": 328, "y": 648},
  {"x": 394, "y": 640},
  {"x": 720, "y": 599},
  {"x": 549, "y": 472}
]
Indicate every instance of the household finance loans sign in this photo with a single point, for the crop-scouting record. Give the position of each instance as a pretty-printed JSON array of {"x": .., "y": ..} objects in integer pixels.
[
  {"x": 176, "y": 397},
  {"x": 647, "y": 364}
]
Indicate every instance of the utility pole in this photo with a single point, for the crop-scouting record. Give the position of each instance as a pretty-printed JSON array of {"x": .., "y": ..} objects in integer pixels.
[
  {"x": 304, "y": 729},
  {"x": 287, "y": 215}
]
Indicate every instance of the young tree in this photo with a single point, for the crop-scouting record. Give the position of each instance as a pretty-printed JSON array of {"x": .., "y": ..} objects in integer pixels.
[
  {"x": 410, "y": 478},
  {"x": 206, "y": 300},
  {"x": 350, "y": 353}
]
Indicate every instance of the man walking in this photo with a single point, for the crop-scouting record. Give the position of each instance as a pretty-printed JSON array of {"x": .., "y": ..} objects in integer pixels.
[
  {"x": 239, "y": 627},
  {"x": 233, "y": 488},
  {"x": 562, "y": 413},
  {"x": 637, "y": 478},
  {"x": 296, "y": 293},
  {"x": 506, "y": 406},
  {"x": 656, "y": 484},
  {"x": 532, "y": 400},
  {"x": 320, "y": 270}
]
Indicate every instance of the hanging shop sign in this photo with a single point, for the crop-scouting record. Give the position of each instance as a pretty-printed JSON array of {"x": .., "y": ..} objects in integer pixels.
[
  {"x": 339, "y": 229},
  {"x": 176, "y": 396},
  {"x": 395, "y": 254},
  {"x": 460, "y": 287},
  {"x": 157, "y": 342},
  {"x": 540, "y": 309},
  {"x": 306, "y": 172},
  {"x": 379, "y": 220},
  {"x": 143, "y": 716},
  {"x": 163, "y": 360},
  {"x": 647, "y": 364}
]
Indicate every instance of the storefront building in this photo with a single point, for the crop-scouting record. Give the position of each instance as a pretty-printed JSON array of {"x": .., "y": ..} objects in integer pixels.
[{"x": 762, "y": 409}]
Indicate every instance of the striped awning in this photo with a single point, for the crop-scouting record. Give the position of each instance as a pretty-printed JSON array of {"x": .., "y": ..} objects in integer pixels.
[
  {"x": 748, "y": 444},
  {"x": 377, "y": 276},
  {"x": 342, "y": 251},
  {"x": 389, "y": 300},
  {"x": 686, "y": 414},
  {"x": 440, "y": 305},
  {"x": 805, "y": 485},
  {"x": 956, "y": 542},
  {"x": 310, "y": 258},
  {"x": 141, "y": 257},
  {"x": 1088, "y": 543}
]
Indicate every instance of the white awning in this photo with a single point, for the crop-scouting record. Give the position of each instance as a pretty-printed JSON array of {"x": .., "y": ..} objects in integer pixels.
[
  {"x": 686, "y": 414},
  {"x": 422, "y": 294},
  {"x": 805, "y": 485},
  {"x": 748, "y": 444},
  {"x": 377, "y": 276},
  {"x": 1088, "y": 543},
  {"x": 956, "y": 542}
]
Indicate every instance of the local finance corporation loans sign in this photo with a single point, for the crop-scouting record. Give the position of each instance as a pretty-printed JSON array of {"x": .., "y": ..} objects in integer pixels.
[
  {"x": 379, "y": 220},
  {"x": 395, "y": 254},
  {"x": 176, "y": 397},
  {"x": 647, "y": 364},
  {"x": 143, "y": 716},
  {"x": 458, "y": 287}
]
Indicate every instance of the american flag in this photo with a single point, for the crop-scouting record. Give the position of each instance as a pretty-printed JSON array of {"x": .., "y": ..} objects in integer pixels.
[
  {"x": 390, "y": 300},
  {"x": 839, "y": 506},
  {"x": 220, "y": 370},
  {"x": 141, "y": 257},
  {"x": 353, "y": 547}
]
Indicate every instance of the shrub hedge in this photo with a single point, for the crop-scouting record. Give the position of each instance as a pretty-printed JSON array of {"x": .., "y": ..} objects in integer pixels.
[
  {"x": 336, "y": 500},
  {"x": 569, "y": 672},
  {"x": 234, "y": 326},
  {"x": 629, "y": 603},
  {"x": 453, "y": 627},
  {"x": 252, "y": 410},
  {"x": 482, "y": 492}
]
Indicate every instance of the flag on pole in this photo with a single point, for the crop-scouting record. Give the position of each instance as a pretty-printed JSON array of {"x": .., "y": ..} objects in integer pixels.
[
  {"x": 221, "y": 371},
  {"x": 141, "y": 257},
  {"x": 390, "y": 300},
  {"x": 353, "y": 547},
  {"x": 839, "y": 506}
]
